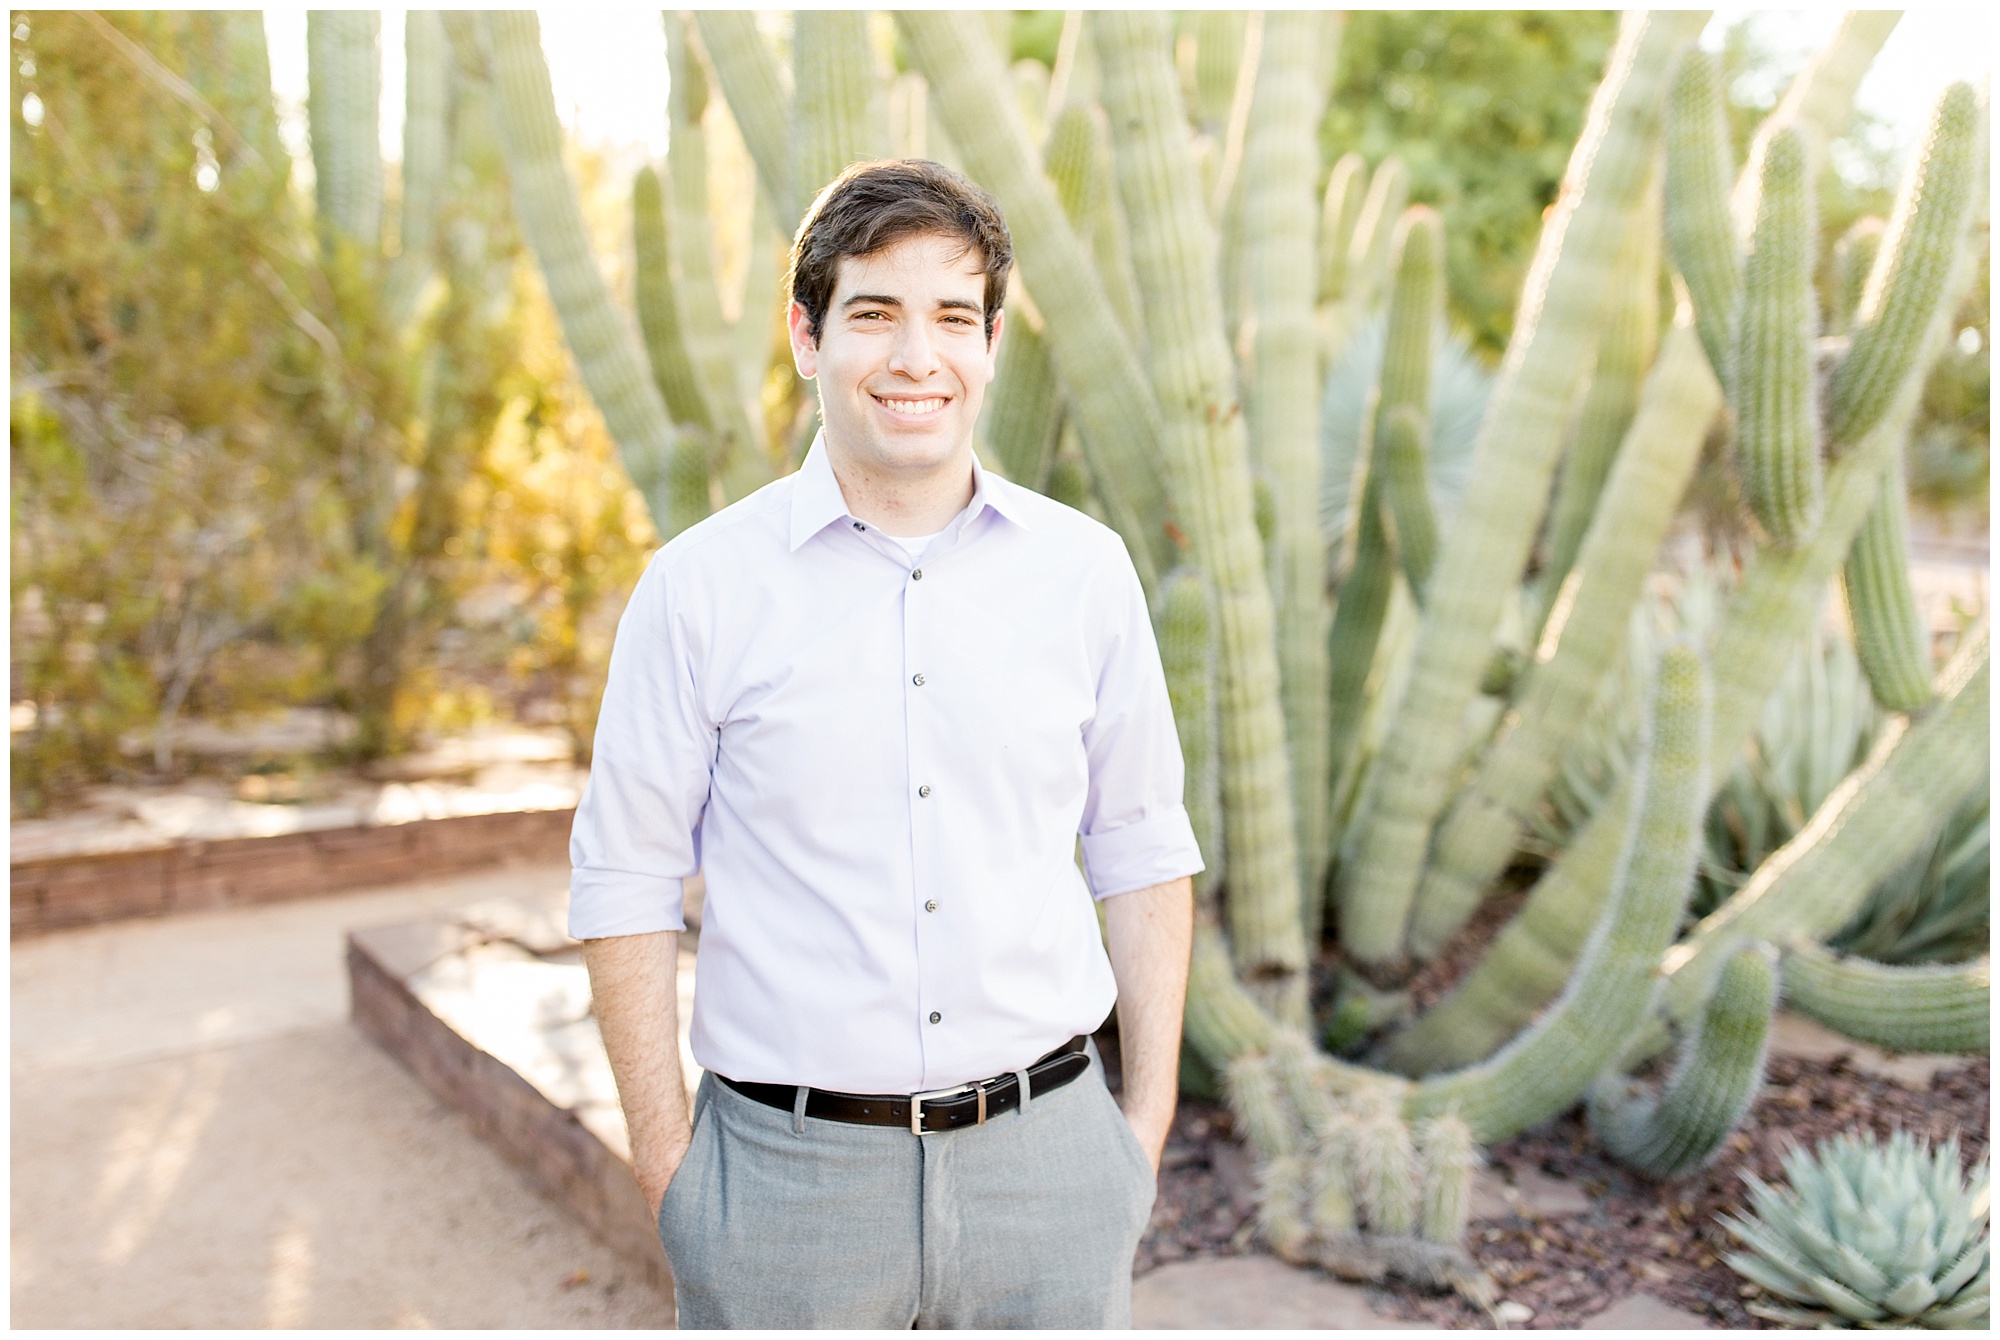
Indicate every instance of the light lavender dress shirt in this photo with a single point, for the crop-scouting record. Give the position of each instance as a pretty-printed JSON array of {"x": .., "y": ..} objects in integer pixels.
[{"x": 882, "y": 765}]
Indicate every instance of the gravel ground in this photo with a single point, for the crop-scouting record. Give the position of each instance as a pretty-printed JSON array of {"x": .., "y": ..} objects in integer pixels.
[{"x": 1638, "y": 1236}]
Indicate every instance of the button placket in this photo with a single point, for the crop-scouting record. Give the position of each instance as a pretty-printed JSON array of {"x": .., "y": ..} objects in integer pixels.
[{"x": 933, "y": 957}]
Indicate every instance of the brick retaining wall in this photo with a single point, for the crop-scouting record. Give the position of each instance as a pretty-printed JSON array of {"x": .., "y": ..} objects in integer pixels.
[{"x": 66, "y": 891}]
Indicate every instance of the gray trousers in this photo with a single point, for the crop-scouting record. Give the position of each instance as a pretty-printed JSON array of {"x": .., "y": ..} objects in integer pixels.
[{"x": 1030, "y": 1220}]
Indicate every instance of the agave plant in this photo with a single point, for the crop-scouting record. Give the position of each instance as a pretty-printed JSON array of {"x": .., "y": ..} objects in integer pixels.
[
  {"x": 1935, "y": 909},
  {"x": 1869, "y": 1234}
]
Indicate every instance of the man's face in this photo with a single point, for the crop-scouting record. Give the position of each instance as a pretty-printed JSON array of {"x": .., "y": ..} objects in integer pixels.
[{"x": 902, "y": 360}]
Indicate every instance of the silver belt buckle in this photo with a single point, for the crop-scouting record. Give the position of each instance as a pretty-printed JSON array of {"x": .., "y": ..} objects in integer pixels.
[{"x": 917, "y": 1101}]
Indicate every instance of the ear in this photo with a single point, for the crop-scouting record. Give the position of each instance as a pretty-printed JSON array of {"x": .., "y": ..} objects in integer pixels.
[
  {"x": 993, "y": 344},
  {"x": 805, "y": 349}
]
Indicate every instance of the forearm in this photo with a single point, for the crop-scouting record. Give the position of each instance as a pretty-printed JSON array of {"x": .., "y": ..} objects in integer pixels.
[
  {"x": 633, "y": 994},
  {"x": 1149, "y": 933}
]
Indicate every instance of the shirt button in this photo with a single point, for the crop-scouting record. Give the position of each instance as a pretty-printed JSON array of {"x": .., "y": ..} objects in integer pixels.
[
  {"x": 918, "y": 680},
  {"x": 924, "y": 791},
  {"x": 916, "y": 574},
  {"x": 931, "y": 906},
  {"x": 859, "y": 526},
  {"x": 936, "y": 1018}
]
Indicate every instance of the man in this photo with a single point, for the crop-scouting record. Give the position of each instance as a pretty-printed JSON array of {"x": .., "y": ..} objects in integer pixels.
[{"x": 877, "y": 704}]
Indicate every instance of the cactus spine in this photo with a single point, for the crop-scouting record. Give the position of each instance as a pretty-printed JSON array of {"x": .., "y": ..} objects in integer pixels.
[
  {"x": 1583, "y": 635},
  {"x": 1118, "y": 418},
  {"x": 1912, "y": 268},
  {"x": 1207, "y": 459},
  {"x": 1682, "y": 1127},
  {"x": 1929, "y": 1007},
  {"x": 344, "y": 117},
  {"x": 1699, "y": 232},
  {"x": 1552, "y": 1063},
  {"x": 1777, "y": 406},
  {"x": 1280, "y": 166},
  {"x": 1889, "y": 635},
  {"x": 1488, "y": 546},
  {"x": 837, "y": 115},
  {"x": 1406, "y": 489},
  {"x": 545, "y": 200}
]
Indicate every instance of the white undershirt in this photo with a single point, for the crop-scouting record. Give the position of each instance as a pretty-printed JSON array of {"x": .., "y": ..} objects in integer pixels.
[{"x": 916, "y": 544}]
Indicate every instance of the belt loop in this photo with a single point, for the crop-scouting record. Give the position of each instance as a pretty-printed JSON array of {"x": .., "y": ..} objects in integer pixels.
[
  {"x": 1021, "y": 1078},
  {"x": 799, "y": 1110}
]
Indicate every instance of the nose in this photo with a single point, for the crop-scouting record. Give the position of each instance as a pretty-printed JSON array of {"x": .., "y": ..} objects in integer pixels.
[{"x": 915, "y": 352}]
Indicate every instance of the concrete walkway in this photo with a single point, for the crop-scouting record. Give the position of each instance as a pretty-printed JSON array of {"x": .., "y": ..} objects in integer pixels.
[{"x": 201, "y": 1139}]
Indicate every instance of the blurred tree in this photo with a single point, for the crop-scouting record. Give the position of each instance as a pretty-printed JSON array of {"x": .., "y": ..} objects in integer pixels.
[{"x": 1483, "y": 106}]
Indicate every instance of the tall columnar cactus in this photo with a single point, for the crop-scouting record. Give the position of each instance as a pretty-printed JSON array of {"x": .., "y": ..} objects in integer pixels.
[
  {"x": 1117, "y": 416},
  {"x": 1583, "y": 633},
  {"x": 1681, "y": 1127},
  {"x": 1624, "y": 354},
  {"x": 837, "y": 112},
  {"x": 1406, "y": 491},
  {"x": 1882, "y": 813},
  {"x": 1207, "y": 459},
  {"x": 736, "y": 446},
  {"x": 1078, "y": 160},
  {"x": 1280, "y": 167},
  {"x": 426, "y": 141},
  {"x": 1853, "y": 260},
  {"x": 760, "y": 100},
  {"x": 658, "y": 310},
  {"x": 606, "y": 351},
  {"x": 1773, "y": 607},
  {"x": 1912, "y": 268},
  {"x": 1771, "y": 375},
  {"x": 1561, "y": 303},
  {"x": 1415, "y": 300},
  {"x": 1926, "y": 1007},
  {"x": 1185, "y": 626},
  {"x": 343, "y": 118},
  {"x": 1023, "y": 413},
  {"x": 1340, "y": 211},
  {"x": 1370, "y": 244},
  {"x": 1699, "y": 231},
  {"x": 1889, "y": 634},
  {"x": 1553, "y": 1062}
]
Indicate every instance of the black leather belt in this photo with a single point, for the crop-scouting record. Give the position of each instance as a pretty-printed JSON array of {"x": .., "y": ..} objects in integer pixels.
[{"x": 928, "y": 1113}]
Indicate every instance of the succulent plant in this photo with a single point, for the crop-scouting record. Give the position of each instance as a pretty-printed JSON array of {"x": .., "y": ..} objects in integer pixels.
[{"x": 1869, "y": 1234}]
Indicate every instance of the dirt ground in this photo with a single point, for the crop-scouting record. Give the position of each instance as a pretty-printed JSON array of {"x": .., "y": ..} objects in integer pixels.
[{"x": 201, "y": 1139}]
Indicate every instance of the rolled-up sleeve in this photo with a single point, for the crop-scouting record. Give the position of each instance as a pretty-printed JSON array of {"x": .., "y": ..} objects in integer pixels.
[
  {"x": 1135, "y": 830},
  {"x": 635, "y": 837}
]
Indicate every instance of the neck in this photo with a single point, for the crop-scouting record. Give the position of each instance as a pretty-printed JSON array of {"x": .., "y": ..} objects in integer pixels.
[{"x": 905, "y": 501}]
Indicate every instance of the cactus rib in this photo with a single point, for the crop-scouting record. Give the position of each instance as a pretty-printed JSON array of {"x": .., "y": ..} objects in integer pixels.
[
  {"x": 545, "y": 200},
  {"x": 1280, "y": 166},
  {"x": 1117, "y": 417},
  {"x": 1912, "y": 266},
  {"x": 1206, "y": 455},
  {"x": 1552, "y": 1063},
  {"x": 1929, "y": 1007},
  {"x": 1889, "y": 635},
  {"x": 1649, "y": 474},
  {"x": 1699, "y": 232},
  {"x": 1677, "y": 1130},
  {"x": 1488, "y": 545},
  {"x": 1771, "y": 375}
]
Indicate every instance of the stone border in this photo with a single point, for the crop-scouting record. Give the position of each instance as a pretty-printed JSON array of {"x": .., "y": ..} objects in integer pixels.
[
  {"x": 558, "y": 1153},
  {"x": 65, "y": 891}
]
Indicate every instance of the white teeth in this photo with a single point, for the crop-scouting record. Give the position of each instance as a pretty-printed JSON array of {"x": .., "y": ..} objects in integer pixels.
[{"x": 913, "y": 406}]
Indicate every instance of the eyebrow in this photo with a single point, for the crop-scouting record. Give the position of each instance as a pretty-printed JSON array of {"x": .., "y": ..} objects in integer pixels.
[{"x": 887, "y": 300}]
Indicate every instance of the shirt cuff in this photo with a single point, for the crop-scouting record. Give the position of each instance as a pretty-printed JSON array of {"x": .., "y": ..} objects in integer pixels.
[
  {"x": 617, "y": 902},
  {"x": 1159, "y": 848}
]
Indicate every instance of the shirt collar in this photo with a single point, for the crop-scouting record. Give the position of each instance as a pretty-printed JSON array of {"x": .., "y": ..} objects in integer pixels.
[{"x": 817, "y": 501}]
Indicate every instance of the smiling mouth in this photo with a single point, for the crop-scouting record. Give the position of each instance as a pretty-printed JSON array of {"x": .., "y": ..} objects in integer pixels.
[{"x": 911, "y": 407}]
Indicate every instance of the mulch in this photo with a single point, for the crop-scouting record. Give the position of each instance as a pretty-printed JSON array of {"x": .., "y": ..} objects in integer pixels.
[{"x": 1638, "y": 1236}]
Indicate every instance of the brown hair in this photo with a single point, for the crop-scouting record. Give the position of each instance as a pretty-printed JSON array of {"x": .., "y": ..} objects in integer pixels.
[{"x": 873, "y": 206}]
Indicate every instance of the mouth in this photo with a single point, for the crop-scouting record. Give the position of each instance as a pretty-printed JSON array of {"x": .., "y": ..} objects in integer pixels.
[{"x": 915, "y": 408}]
